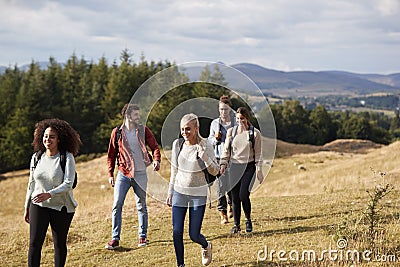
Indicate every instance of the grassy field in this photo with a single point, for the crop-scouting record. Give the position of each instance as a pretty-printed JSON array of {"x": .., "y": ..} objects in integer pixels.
[{"x": 294, "y": 210}]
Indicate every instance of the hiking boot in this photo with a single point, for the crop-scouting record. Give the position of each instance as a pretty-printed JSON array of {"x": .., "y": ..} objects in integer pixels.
[
  {"x": 230, "y": 212},
  {"x": 249, "y": 226},
  {"x": 235, "y": 230},
  {"x": 206, "y": 254},
  {"x": 224, "y": 217},
  {"x": 143, "y": 242},
  {"x": 113, "y": 244}
]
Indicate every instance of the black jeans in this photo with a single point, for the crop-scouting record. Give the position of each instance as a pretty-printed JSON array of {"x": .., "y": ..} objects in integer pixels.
[
  {"x": 241, "y": 190},
  {"x": 39, "y": 220}
]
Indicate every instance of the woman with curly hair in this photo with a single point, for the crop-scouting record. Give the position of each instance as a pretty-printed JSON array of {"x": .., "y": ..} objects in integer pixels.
[{"x": 49, "y": 196}]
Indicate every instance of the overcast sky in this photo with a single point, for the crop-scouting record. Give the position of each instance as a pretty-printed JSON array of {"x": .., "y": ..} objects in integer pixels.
[{"x": 360, "y": 36}]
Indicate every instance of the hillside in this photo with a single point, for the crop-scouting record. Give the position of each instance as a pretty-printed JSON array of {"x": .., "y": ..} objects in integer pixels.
[
  {"x": 318, "y": 83},
  {"x": 295, "y": 208},
  {"x": 335, "y": 166}
]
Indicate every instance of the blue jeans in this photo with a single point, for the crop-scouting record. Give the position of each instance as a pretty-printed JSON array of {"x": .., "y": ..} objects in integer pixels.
[
  {"x": 196, "y": 208},
  {"x": 121, "y": 188}
]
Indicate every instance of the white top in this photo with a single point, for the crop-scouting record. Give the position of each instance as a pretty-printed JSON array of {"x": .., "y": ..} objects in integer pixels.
[
  {"x": 49, "y": 177},
  {"x": 187, "y": 177},
  {"x": 242, "y": 150}
]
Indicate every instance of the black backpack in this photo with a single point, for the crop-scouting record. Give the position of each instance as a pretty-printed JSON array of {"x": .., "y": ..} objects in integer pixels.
[
  {"x": 63, "y": 162},
  {"x": 210, "y": 179}
]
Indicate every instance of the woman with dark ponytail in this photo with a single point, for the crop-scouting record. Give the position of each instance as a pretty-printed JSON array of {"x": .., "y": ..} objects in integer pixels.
[{"x": 243, "y": 152}]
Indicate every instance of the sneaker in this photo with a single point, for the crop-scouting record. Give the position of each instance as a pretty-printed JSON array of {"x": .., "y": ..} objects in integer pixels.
[
  {"x": 113, "y": 244},
  {"x": 235, "y": 230},
  {"x": 230, "y": 212},
  {"x": 249, "y": 226},
  {"x": 206, "y": 254},
  {"x": 143, "y": 242},
  {"x": 224, "y": 217}
]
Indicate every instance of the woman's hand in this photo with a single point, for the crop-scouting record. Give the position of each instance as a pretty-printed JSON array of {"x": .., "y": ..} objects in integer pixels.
[
  {"x": 26, "y": 215},
  {"x": 39, "y": 198},
  {"x": 169, "y": 201},
  {"x": 201, "y": 152},
  {"x": 222, "y": 169},
  {"x": 260, "y": 175}
]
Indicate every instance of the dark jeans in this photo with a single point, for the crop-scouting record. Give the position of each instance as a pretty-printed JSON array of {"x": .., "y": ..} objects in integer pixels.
[
  {"x": 39, "y": 220},
  {"x": 197, "y": 207},
  {"x": 241, "y": 191}
]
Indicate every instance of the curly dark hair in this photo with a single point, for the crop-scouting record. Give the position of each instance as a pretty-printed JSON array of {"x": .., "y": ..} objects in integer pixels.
[{"x": 69, "y": 138}]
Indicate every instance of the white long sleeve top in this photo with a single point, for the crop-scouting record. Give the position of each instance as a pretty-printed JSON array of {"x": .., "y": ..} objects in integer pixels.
[
  {"x": 187, "y": 177},
  {"x": 49, "y": 177}
]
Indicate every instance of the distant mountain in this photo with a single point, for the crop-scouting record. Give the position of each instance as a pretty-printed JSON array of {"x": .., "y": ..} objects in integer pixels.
[
  {"x": 303, "y": 83},
  {"x": 310, "y": 83},
  {"x": 391, "y": 79},
  {"x": 43, "y": 65}
]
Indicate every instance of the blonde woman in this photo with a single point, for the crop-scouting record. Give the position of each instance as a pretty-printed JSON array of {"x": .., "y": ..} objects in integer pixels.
[{"x": 188, "y": 187}]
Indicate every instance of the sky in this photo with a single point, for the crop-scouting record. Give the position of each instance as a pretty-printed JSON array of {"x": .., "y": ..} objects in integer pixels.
[{"x": 361, "y": 36}]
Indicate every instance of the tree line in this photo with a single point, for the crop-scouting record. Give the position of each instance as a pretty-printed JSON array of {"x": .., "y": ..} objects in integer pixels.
[{"x": 90, "y": 96}]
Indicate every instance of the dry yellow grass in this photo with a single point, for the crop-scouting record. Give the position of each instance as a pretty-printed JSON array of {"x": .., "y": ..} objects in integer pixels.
[
  {"x": 293, "y": 209},
  {"x": 330, "y": 170}
]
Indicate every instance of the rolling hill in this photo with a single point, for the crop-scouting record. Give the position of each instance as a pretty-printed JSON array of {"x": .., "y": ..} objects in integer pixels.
[{"x": 310, "y": 83}]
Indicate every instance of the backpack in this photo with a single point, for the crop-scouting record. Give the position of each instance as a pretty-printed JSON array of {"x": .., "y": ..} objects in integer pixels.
[
  {"x": 220, "y": 124},
  {"x": 63, "y": 162},
  {"x": 210, "y": 179},
  {"x": 118, "y": 136},
  {"x": 251, "y": 137}
]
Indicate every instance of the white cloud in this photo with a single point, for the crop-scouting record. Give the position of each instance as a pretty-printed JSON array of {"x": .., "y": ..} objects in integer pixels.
[
  {"x": 285, "y": 34},
  {"x": 388, "y": 7}
]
